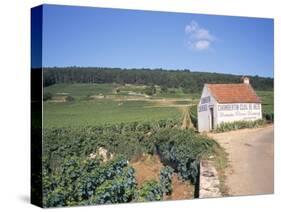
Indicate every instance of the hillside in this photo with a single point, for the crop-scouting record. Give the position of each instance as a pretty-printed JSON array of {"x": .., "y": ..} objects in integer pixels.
[{"x": 186, "y": 79}]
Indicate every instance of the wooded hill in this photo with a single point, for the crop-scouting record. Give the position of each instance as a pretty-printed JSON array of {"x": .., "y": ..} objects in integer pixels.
[{"x": 189, "y": 81}]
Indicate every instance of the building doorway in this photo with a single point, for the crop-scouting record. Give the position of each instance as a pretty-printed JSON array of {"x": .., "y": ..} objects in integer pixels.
[{"x": 211, "y": 118}]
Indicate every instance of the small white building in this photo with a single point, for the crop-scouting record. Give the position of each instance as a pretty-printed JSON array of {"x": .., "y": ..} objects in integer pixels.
[{"x": 221, "y": 103}]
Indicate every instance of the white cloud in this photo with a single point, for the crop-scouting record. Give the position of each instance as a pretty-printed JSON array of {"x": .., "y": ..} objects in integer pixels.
[
  {"x": 202, "y": 44},
  {"x": 198, "y": 37}
]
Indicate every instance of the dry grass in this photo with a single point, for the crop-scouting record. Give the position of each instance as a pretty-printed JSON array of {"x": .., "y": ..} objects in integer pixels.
[
  {"x": 181, "y": 190},
  {"x": 221, "y": 163}
]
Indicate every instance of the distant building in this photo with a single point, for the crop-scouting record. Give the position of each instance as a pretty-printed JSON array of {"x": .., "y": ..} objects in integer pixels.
[{"x": 221, "y": 103}]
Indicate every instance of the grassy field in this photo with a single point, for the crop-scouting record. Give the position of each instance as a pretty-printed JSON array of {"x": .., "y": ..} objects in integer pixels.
[
  {"x": 103, "y": 112},
  {"x": 267, "y": 101},
  {"x": 120, "y": 103},
  {"x": 129, "y": 104},
  {"x": 80, "y": 90}
]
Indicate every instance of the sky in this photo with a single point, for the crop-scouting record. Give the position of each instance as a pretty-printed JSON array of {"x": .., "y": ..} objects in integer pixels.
[{"x": 98, "y": 37}]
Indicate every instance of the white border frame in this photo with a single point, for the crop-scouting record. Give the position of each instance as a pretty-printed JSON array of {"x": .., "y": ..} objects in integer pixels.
[{"x": 15, "y": 101}]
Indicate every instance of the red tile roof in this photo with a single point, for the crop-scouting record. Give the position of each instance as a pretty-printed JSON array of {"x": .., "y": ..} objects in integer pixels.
[{"x": 234, "y": 93}]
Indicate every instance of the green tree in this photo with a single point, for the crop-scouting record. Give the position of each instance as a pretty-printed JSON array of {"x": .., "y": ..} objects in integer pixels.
[
  {"x": 150, "y": 90},
  {"x": 164, "y": 89}
]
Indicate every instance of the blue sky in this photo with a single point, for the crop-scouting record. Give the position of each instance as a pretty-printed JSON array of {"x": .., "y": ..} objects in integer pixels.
[{"x": 85, "y": 36}]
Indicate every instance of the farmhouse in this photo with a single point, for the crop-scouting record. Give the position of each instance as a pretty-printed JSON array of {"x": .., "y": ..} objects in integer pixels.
[{"x": 221, "y": 103}]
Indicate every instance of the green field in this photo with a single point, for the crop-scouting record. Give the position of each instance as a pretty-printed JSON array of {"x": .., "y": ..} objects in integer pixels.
[
  {"x": 103, "y": 112},
  {"x": 267, "y": 101},
  {"x": 80, "y": 90},
  {"x": 111, "y": 109},
  {"x": 120, "y": 103}
]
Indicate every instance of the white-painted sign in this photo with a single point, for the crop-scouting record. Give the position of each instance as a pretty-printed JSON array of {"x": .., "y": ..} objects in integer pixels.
[{"x": 242, "y": 111}]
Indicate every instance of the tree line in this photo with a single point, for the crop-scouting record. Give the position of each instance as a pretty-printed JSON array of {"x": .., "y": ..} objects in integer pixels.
[{"x": 189, "y": 81}]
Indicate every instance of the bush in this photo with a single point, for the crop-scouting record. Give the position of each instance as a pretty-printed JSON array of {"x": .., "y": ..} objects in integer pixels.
[
  {"x": 182, "y": 150},
  {"x": 185, "y": 90},
  {"x": 119, "y": 190},
  {"x": 70, "y": 177},
  {"x": 193, "y": 115},
  {"x": 150, "y": 90},
  {"x": 130, "y": 140},
  {"x": 224, "y": 127},
  {"x": 88, "y": 181},
  {"x": 150, "y": 191},
  {"x": 164, "y": 89},
  {"x": 269, "y": 117},
  {"x": 69, "y": 98},
  {"x": 166, "y": 175}
]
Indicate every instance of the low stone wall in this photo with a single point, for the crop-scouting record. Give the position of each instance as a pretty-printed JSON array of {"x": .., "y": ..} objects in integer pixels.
[{"x": 209, "y": 180}]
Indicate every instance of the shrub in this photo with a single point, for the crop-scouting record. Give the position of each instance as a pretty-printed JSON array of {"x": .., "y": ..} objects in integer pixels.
[
  {"x": 182, "y": 150},
  {"x": 269, "y": 117},
  {"x": 69, "y": 98},
  {"x": 150, "y": 90},
  {"x": 193, "y": 115},
  {"x": 164, "y": 89},
  {"x": 55, "y": 198},
  {"x": 166, "y": 175},
  {"x": 185, "y": 90},
  {"x": 150, "y": 191},
  {"x": 224, "y": 127},
  {"x": 119, "y": 190},
  {"x": 88, "y": 181},
  {"x": 130, "y": 140}
]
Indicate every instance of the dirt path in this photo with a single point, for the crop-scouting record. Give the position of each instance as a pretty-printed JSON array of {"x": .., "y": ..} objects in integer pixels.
[
  {"x": 148, "y": 168},
  {"x": 251, "y": 158},
  {"x": 181, "y": 190}
]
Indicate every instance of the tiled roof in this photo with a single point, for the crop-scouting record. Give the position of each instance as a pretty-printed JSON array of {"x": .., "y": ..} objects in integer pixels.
[{"x": 234, "y": 93}]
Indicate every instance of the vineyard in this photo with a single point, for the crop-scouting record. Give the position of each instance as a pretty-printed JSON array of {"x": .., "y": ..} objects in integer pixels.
[
  {"x": 95, "y": 134},
  {"x": 75, "y": 174}
]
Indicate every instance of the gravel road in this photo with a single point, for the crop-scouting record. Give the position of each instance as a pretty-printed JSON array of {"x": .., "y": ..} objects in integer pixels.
[{"x": 251, "y": 158}]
